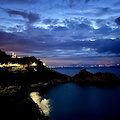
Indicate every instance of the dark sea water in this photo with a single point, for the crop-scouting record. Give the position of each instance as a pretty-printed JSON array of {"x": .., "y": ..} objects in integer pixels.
[{"x": 73, "y": 102}]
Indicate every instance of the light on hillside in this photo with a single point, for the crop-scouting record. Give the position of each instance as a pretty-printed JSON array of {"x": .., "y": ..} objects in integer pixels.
[{"x": 34, "y": 64}]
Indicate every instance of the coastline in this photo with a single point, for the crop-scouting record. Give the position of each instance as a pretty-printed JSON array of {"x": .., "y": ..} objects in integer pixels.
[
  {"x": 31, "y": 75},
  {"x": 45, "y": 85}
]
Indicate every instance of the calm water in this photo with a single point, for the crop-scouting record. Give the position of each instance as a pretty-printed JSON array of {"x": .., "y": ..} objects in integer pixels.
[
  {"x": 73, "y": 102},
  {"x": 73, "y": 71}
]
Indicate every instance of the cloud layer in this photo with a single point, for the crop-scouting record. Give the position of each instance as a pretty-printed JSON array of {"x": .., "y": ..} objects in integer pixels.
[{"x": 79, "y": 31}]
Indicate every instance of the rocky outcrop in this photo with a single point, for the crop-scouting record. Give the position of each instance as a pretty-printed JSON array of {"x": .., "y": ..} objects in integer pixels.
[
  {"x": 100, "y": 79},
  {"x": 83, "y": 74}
]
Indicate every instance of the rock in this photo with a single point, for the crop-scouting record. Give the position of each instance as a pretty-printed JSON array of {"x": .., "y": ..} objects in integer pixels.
[
  {"x": 100, "y": 79},
  {"x": 83, "y": 74}
]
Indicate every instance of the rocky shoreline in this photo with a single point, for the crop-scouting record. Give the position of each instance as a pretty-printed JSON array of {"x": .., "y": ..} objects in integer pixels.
[
  {"x": 31, "y": 75},
  {"x": 16, "y": 100}
]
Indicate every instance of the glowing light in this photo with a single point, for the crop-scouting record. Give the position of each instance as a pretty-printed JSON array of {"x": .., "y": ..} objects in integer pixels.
[
  {"x": 10, "y": 65},
  {"x": 118, "y": 64},
  {"x": 14, "y": 55},
  {"x": 44, "y": 64},
  {"x": 34, "y": 64},
  {"x": 101, "y": 65}
]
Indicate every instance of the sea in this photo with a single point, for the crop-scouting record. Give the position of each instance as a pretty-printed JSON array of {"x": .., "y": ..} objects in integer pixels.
[{"x": 70, "y": 101}]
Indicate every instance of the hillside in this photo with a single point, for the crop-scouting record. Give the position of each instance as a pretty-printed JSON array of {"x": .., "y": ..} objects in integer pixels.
[
  {"x": 4, "y": 57},
  {"x": 26, "y": 71},
  {"x": 17, "y": 75}
]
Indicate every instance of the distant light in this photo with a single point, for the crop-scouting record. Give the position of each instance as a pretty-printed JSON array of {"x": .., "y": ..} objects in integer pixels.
[
  {"x": 101, "y": 65},
  {"x": 44, "y": 64},
  {"x": 118, "y": 64},
  {"x": 108, "y": 65}
]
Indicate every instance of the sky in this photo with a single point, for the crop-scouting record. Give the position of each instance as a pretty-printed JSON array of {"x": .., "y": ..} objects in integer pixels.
[{"x": 62, "y": 32}]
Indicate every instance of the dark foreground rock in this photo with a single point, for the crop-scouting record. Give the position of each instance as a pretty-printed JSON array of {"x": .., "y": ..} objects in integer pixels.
[{"x": 17, "y": 105}]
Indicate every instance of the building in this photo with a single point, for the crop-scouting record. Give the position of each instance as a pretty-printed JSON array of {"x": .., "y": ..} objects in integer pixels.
[{"x": 14, "y": 55}]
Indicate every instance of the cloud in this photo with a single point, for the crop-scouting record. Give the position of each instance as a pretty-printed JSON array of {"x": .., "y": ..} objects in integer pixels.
[
  {"x": 27, "y": 42},
  {"x": 94, "y": 12},
  {"x": 72, "y": 37},
  {"x": 71, "y": 2},
  {"x": 87, "y": 1},
  {"x": 104, "y": 30},
  {"x": 44, "y": 45},
  {"x": 117, "y": 20},
  {"x": 74, "y": 2},
  {"x": 87, "y": 28},
  {"x": 50, "y": 21},
  {"x": 32, "y": 17},
  {"x": 78, "y": 23},
  {"x": 100, "y": 46},
  {"x": 117, "y": 3},
  {"x": 112, "y": 46},
  {"x": 12, "y": 42},
  {"x": 18, "y": 1},
  {"x": 103, "y": 11},
  {"x": 59, "y": 28}
]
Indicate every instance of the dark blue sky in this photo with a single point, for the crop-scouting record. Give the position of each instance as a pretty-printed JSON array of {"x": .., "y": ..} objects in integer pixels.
[{"x": 62, "y": 32}]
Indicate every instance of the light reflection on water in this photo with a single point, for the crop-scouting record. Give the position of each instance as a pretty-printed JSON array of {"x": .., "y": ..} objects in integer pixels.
[{"x": 44, "y": 104}]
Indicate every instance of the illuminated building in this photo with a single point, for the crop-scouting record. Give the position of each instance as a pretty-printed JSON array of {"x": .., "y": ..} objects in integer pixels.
[{"x": 14, "y": 55}]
